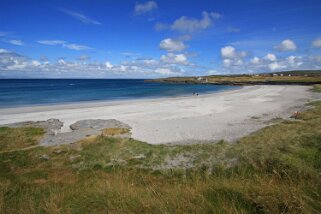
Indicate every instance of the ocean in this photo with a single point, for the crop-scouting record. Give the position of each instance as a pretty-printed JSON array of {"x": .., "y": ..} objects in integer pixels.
[{"x": 29, "y": 92}]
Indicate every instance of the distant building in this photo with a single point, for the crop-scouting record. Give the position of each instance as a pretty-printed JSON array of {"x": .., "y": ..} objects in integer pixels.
[
  {"x": 289, "y": 75},
  {"x": 275, "y": 75},
  {"x": 281, "y": 75}
]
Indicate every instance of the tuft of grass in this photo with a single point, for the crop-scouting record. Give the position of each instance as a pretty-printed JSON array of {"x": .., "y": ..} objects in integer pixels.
[
  {"x": 317, "y": 88},
  {"x": 114, "y": 131},
  {"x": 18, "y": 138}
]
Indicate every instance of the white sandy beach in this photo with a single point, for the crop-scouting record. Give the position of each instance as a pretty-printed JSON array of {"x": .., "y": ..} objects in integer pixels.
[{"x": 225, "y": 115}]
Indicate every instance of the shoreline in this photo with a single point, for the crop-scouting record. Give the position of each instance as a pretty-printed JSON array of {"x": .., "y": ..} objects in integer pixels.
[
  {"x": 100, "y": 103},
  {"x": 227, "y": 115}
]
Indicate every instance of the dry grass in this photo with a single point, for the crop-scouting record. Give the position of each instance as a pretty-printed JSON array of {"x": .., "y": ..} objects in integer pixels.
[
  {"x": 317, "y": 88},
  {"x": 114, "y": 131},
  {"x": 11, "y": 139}
]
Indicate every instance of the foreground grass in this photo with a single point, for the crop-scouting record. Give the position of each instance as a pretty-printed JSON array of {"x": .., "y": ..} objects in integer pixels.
[
  {"x": 275, "y": 170},
  {"x": 317, "y": 88},
  {"x": 11, "y": 139}
]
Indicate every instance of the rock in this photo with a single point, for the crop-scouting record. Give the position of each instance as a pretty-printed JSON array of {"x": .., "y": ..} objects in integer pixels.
[
  {"x": 59, "y": 151},
  {"x": 98, "y": 124},
  {"x": 140, "y": 156},
  {"x": 80, "y": 130},
  {"x": 50, "y": 126},
  {"x": 44, "y": 157},
  {"x": 74, "y": 157}
]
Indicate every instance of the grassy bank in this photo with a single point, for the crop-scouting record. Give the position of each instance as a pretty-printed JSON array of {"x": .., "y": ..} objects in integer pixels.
[
  {"x": 275, "y": 170},
  {"x": 302, "y": 79}
]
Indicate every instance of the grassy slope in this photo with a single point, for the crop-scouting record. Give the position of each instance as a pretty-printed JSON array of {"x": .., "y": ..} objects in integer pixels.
[
  {"x": 274, "y": 170},
  {"x": 246, "y": 79},
  {"x": 11, "y": 139}
]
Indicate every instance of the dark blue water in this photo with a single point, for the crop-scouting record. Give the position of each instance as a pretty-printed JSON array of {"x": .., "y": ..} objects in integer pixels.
[{"x": 26, "y": 92}]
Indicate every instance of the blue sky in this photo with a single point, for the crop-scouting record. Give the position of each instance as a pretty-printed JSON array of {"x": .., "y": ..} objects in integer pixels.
[{"x": 146, "y": 39}]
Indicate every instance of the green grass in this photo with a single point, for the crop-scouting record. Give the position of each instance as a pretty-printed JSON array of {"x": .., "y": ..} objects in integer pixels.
[
  {"x": 18, "y": 138},
  {"x": 245, "y": 79},
  {"x": 317, "y": 88},
  {"x": 275, "y": 170}
]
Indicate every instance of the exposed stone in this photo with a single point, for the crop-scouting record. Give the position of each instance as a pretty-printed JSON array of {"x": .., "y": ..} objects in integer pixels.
[
  {"x": 74, "y": 157},
  {"x": 59, "y": 151},
  {"x": 80, "y": 130},
  {"x": 51, "y": 126},
  {"x": 98, "y": 124},
  {"x": 44, "y": 157}
]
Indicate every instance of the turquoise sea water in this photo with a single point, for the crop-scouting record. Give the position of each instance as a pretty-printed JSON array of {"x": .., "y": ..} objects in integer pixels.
[{"x": 27, "y": 92}]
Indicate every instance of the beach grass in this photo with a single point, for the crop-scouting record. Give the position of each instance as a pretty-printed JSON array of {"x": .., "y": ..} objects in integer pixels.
[
  {"x": 317, "y": 88},
  {"x": 18, "y": 138},
  {"x": 274, "y": 170}
]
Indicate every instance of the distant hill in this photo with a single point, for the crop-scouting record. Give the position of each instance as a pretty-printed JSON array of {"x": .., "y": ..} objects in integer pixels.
[
  {"x": 296, "y": 77},
  {"x": 301, "y": 72},
  {"x": 311, "y": 73}
]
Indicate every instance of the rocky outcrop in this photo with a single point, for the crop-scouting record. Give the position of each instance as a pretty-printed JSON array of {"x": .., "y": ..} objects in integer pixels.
[
  {"x": 51, "y": 126},
  {"x": 80, "y": 130},
  {"x": 98, "y": 124}
]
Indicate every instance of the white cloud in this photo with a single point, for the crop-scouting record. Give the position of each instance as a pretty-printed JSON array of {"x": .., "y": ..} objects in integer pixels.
[
  {"x": 13, "y": 64},
  {"x": 16, "y": 42},
  {"x": 61, "y": 62},
  {"x": 64, "y": 44},
  {"x": 161, "y": 26},
  {"x": 35, "y": 63},
  {"x": 231, "y": 53},
  {"x": 270, "y": 57},
  {"x": 276, "y": 66},
  {"x": 4, "y": 51},
  {"x": 314, "y": 58},
  {"x": 76, "y": 47},
  {"x": 81, "y": 17},
  {"x": 108, "y": 65},
  {"x": 227, "y": 62},
  {"x": 170, "y": 64},
  {"x": 142, "y": 8},
  {"x": 317, "y": 43},
  {"x": 190, "y": 25},
  {"x": 164, "y": 71},
  {"x": 255, "y": 60},
  {"x": 171, "y": 58},
  {"x": 287, "y": 45},
  {"x": 83, "y": 58},
  {"x": 130, "y": 54},
  {"x": 294, "y": 61},
  {"x": 150, "y": 62},
  {"x": 228, "y": 52},
  {"x": 268, "y": 63},
  {"x": 232, "y": 62},
  {"x": 172, "y": 45},
  {"x": 51, "y": 42}
]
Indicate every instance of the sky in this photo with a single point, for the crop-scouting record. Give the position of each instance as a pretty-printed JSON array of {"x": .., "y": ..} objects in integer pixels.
[{"x": 161, "y": 38}]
